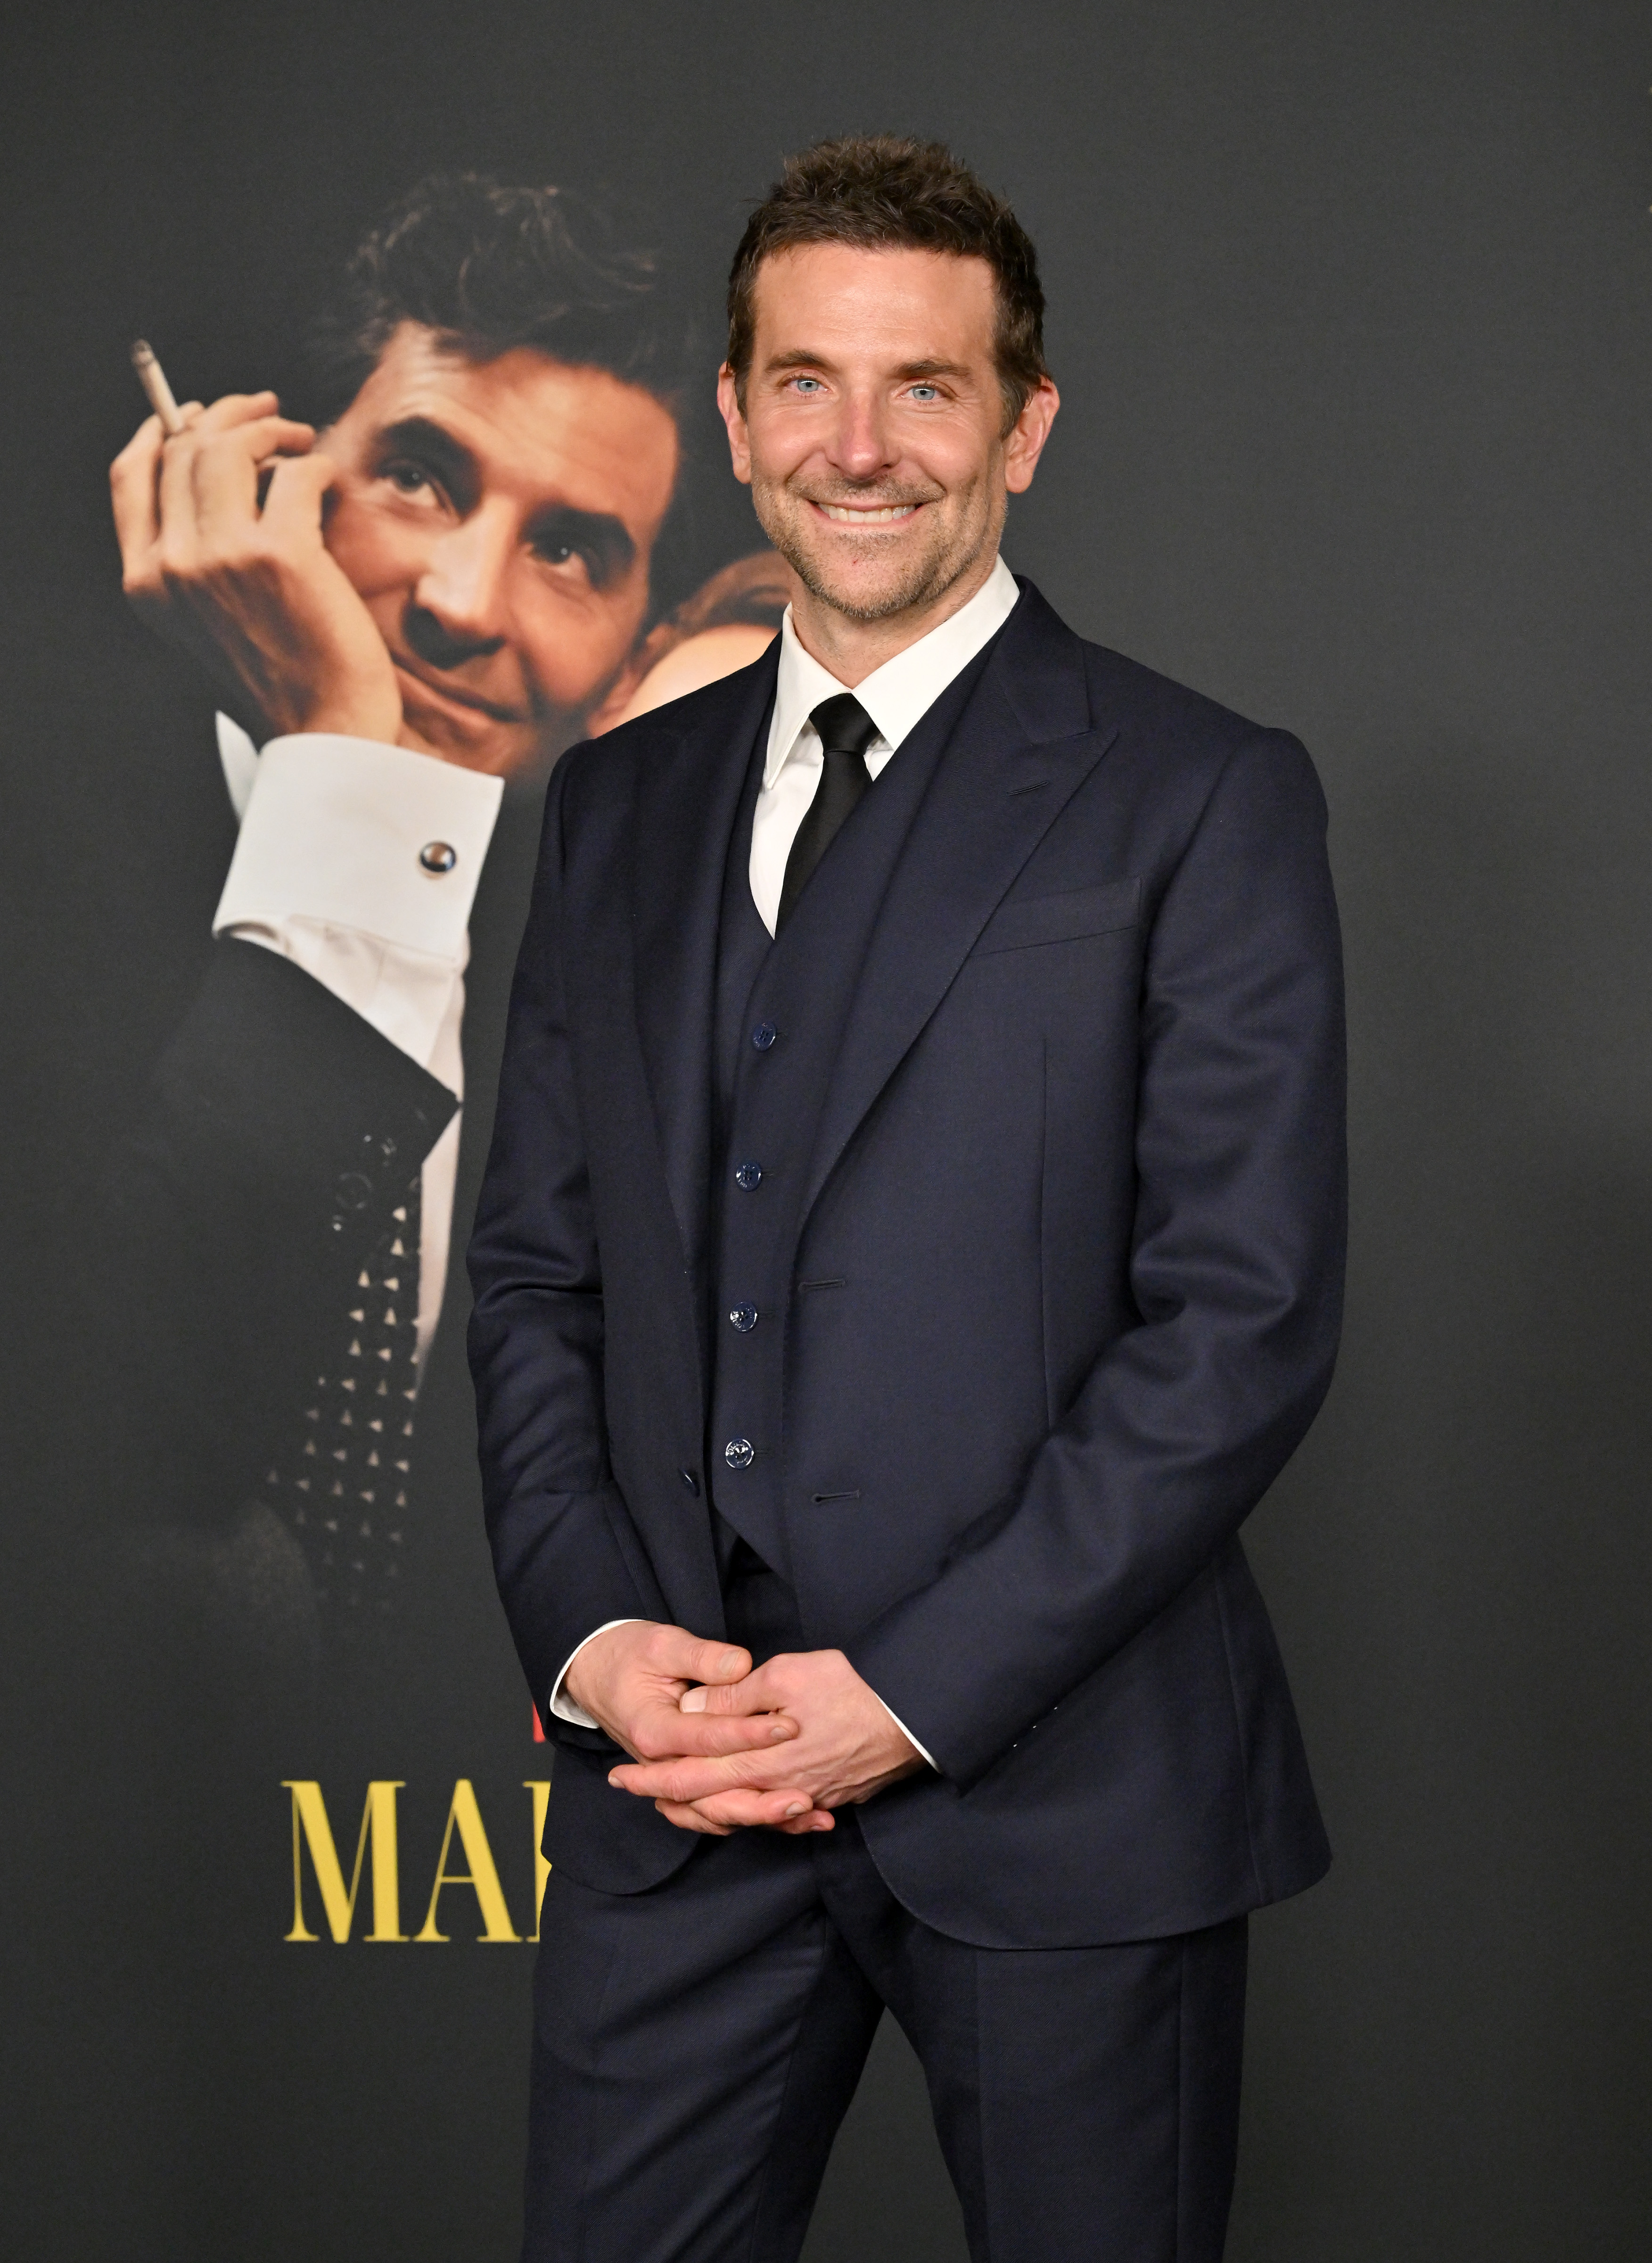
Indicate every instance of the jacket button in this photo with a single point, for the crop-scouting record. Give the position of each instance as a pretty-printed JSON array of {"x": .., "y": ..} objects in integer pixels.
[
  {"x": 438, "y": 857},
  {"x": 689, "y": 1479},
  {"x": 740, "y": 1453},
  {"x": 764, "y": 1035},
  {"x": 744, "y": 1317},
  {"x": 352, "y": 1191},
  {"x": 748, "y": 1175}
]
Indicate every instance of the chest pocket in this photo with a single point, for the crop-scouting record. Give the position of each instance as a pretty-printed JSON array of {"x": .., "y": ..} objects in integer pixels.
[{"x": 1025, "y": 920}]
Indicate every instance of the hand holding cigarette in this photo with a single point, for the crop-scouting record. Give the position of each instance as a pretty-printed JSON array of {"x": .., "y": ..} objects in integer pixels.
[{"x": 219, "y": 515}]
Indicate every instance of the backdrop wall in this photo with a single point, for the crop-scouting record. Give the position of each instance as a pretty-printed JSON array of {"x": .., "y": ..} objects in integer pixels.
[{"x": 1350, "y": 310}]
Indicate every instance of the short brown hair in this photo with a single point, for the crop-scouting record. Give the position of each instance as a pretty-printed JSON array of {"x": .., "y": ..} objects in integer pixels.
[{"x": 884, "y": 191}]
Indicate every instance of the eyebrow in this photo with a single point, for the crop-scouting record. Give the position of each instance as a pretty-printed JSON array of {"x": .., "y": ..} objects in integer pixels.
[{"x": 800, "y": 358}]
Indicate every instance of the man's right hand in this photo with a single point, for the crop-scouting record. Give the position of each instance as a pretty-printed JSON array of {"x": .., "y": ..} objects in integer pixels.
[
  {"x": 251, "y": 592},
  {"x": 631, "y": 1678}
]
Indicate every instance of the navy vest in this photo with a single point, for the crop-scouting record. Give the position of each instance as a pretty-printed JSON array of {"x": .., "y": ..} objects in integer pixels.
[{"x": 780, "y": 1010}]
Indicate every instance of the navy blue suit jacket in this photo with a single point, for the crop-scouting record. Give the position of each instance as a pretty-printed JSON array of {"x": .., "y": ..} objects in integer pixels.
[{"x": 1080, "y": 1172}]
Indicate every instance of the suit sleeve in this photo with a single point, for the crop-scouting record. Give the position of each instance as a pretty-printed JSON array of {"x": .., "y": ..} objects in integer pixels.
[
  {"x": 1235, "y": 1272},
  {"x": 565, "y": 1554}
]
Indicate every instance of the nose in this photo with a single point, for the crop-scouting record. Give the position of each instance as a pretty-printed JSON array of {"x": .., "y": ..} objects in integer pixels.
[
  {"x": 461, "y": 593},
  {"x": 860, "y": 446}
]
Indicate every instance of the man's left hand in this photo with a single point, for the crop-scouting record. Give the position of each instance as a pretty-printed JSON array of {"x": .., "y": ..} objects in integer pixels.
[{"x": 848, "y": 1747}]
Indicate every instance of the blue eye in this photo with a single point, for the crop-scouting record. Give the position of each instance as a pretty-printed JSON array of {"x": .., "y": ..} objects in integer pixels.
[{"x": 926, "y": 392}]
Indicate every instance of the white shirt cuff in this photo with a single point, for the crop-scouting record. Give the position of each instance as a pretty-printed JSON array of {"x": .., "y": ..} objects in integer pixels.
[
  {"x": 564, "y": 1707},
  {"x": 348, "y": 833},
  {"x": 908, "y": 1733}
]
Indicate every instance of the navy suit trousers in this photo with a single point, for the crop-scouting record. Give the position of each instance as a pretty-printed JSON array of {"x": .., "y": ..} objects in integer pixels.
[{"x": 696, "y": 2046}]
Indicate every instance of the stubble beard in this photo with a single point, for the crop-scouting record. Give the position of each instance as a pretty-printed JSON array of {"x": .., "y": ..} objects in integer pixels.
[{"x": 918, "y": 581}]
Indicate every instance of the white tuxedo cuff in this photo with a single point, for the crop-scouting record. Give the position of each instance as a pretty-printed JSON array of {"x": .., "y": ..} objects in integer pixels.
[
  {"x": 328, "y": 873},
  {"x": 349, "y": 832}
]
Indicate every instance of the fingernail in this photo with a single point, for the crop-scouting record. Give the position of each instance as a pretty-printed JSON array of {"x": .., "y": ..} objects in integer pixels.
[
  {"x": 692, "y": 1701},
  {"x": 794, "y": 1810},
  {"x": 778, "y": 1732},
  {"x": 614, "y": 1779}
]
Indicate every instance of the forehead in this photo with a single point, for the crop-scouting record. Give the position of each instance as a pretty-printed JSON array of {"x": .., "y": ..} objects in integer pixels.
[
  {"x": 844, "y": 299},
  {"x": 540, "y": 431}
]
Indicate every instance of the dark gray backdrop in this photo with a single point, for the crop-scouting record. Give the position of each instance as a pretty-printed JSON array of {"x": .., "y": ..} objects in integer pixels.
[{"x": 1350, "y": 310}]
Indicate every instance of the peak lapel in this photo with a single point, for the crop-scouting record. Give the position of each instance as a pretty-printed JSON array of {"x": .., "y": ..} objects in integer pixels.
[
  {"x": 1020, "y": 752},
  {"x": 686, "y": 804}
]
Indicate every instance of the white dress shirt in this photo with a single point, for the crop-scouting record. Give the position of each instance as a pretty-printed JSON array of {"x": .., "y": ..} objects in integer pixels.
[
  {"x": 896, "y": 696},
  {"x": 327, "y": 873}
]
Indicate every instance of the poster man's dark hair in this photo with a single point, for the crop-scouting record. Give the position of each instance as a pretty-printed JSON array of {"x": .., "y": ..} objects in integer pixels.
[{"x": 490, "y": 268}]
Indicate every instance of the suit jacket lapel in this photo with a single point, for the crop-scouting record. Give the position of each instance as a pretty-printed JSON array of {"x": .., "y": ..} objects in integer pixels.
[
  {"x": 1021, "y": 750},
  {"x": 686, "y": 804}
]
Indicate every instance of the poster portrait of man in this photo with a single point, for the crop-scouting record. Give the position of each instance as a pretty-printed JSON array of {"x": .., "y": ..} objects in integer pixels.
[{"x": 418, "y": 602}]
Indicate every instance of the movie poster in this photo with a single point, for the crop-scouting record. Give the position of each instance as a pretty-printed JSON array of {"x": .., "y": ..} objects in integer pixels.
[{"x": 385, "y": 534}]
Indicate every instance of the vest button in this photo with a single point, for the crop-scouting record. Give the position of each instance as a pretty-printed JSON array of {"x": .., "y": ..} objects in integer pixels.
[
  {"x": 740, "y": 1453},
  {"x": 764, "y": 1035},
  {"x": 744, "y": 1317},
  {"x": 689, "y": 1479},
  {"x": 748, "y": 1175}
]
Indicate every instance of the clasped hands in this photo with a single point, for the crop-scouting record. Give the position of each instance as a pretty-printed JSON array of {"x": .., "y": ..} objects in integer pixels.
[{"x": 719, "y": 1748}]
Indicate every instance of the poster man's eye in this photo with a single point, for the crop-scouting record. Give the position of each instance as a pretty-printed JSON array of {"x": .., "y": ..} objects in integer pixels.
[{"x": 407, "y": 478}]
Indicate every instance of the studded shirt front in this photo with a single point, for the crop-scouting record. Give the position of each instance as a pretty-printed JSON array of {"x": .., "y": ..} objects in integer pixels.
[{"x": 343, "y": 1482}]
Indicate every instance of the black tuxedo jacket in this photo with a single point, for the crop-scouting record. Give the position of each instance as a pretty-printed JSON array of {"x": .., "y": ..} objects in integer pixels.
[
  {"x": 1079, "y": 1170},
  {"x": 279, "y": 1132},
  {"x": 243, "y": 1188}
]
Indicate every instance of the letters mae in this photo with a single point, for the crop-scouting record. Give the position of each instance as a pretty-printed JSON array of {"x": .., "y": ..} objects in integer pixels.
[{"x": 377, "y": 1844}]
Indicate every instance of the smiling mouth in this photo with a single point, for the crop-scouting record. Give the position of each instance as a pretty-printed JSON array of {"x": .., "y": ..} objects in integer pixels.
[
  {"x": 450, "y": 696},
  {"x": 883, "y": 514}
]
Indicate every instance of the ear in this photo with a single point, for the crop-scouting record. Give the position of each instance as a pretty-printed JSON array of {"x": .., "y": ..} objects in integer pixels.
[
  {"x": 1027, "y": 436},
  {"x": 739, "y": 446}
]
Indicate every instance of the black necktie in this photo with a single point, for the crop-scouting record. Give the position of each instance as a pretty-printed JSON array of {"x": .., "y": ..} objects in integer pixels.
[{"x": 846, "y": 732}]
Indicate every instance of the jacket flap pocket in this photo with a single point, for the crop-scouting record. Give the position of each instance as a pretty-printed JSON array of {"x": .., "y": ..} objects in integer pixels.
[{"x": 1063, "y": 918}]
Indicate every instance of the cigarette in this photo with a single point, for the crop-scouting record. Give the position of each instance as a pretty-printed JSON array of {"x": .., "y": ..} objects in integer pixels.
[{"x": 152, "y": 377}]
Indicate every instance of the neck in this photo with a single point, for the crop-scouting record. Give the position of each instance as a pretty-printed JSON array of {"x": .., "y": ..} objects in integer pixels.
[{"x": 852, "y": 649}]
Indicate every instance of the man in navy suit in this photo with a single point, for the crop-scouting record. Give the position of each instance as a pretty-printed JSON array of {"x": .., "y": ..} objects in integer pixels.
[{"x": 912, "y": 1245}]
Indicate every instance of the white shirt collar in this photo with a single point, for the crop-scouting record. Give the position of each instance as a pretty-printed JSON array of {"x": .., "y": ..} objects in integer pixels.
[{"x": 897, "y": 695}]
